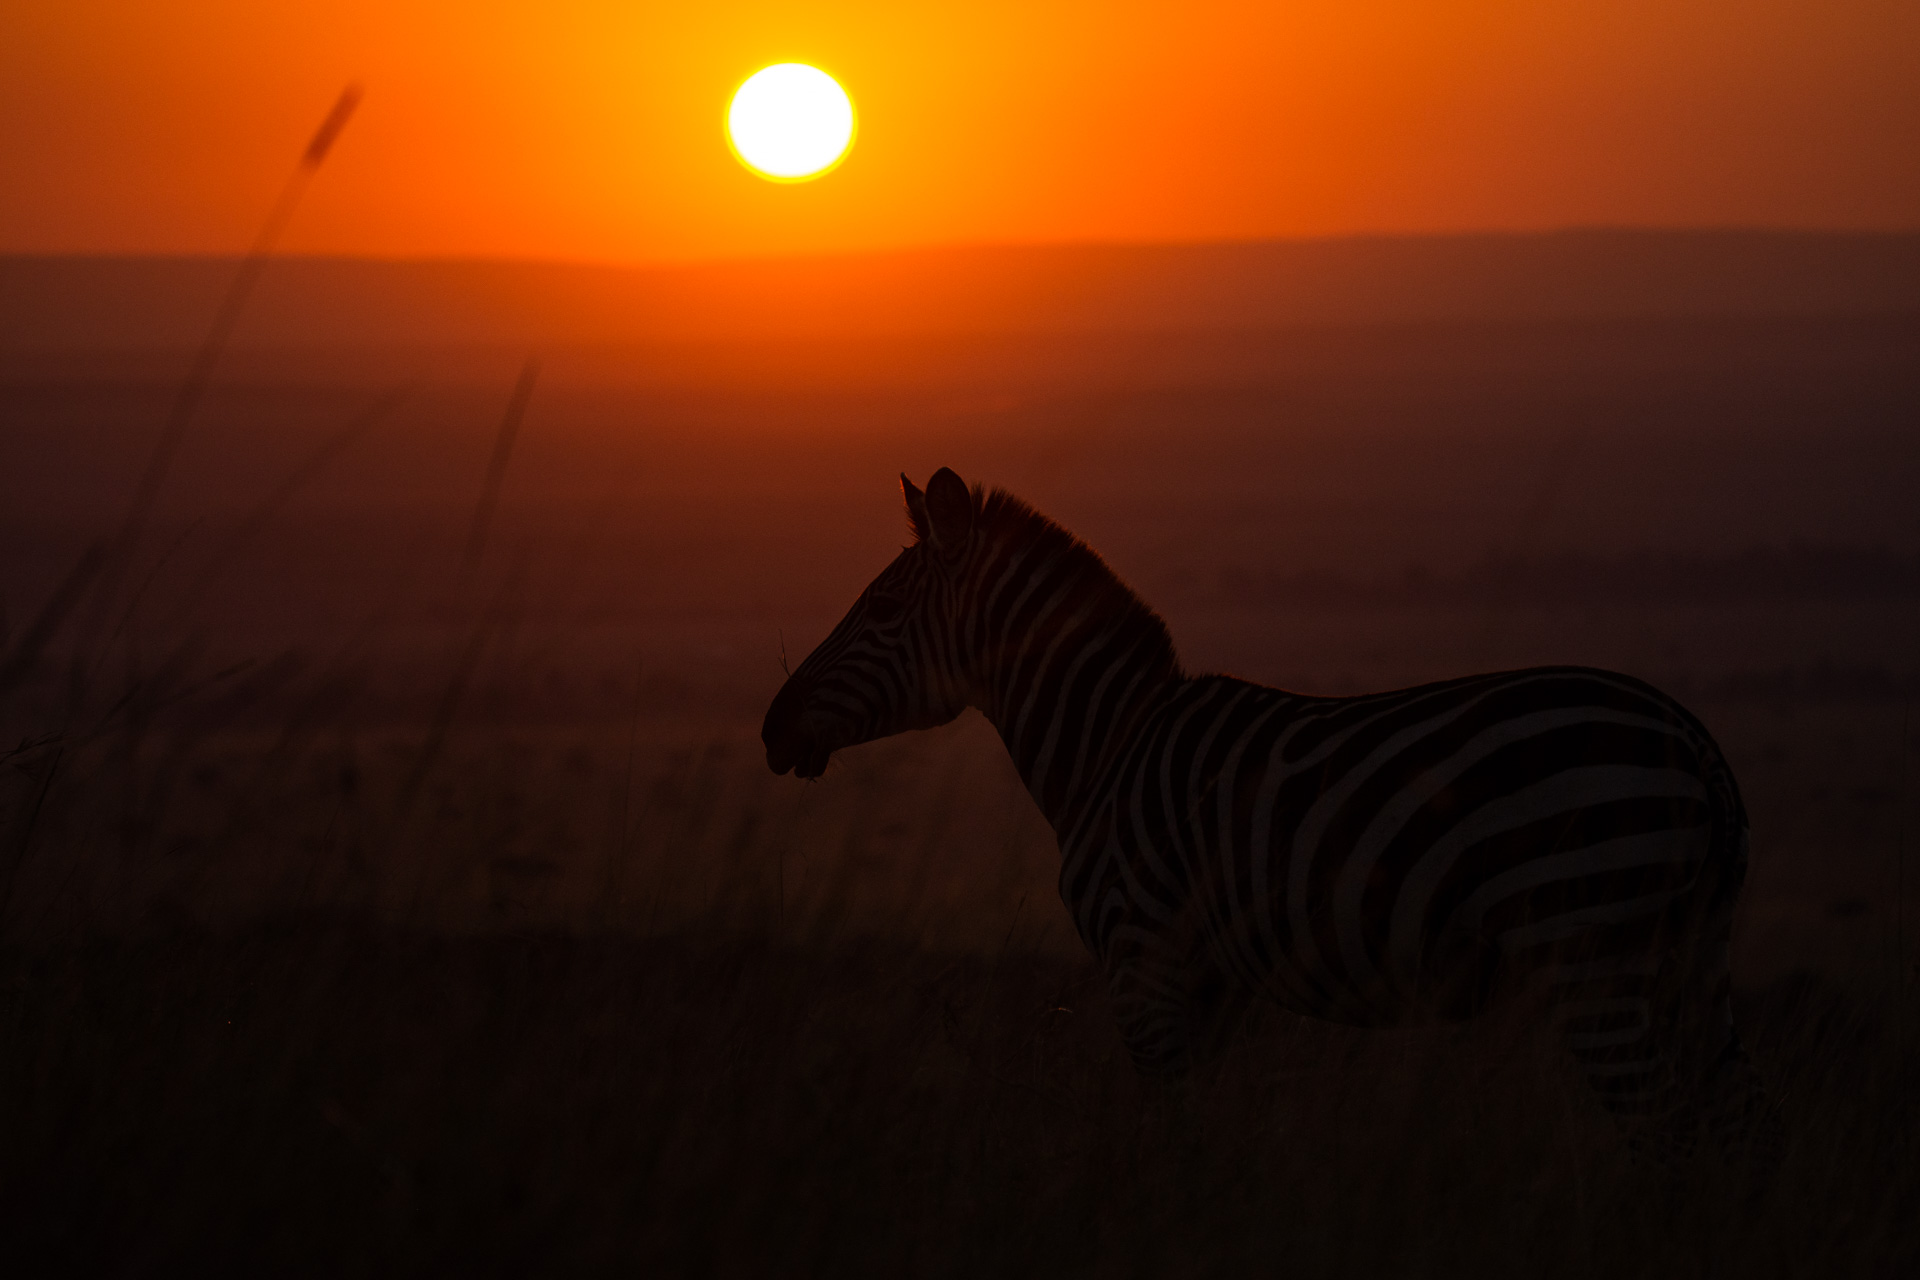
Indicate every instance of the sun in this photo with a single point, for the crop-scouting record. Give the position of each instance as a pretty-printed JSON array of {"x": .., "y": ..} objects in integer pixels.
[{"x": 790, "y": 122}]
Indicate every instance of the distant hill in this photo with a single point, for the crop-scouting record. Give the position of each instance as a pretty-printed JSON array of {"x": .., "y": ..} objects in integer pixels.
[{"x": 79, "y": 303}]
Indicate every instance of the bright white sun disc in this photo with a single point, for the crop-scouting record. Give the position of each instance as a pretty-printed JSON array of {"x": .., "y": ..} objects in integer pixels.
[{"x": 790, "y": 122}]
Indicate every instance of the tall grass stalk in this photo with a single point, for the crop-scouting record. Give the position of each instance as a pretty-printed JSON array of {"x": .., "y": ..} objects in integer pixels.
[
  {"x": 1900, "y": 961},
  {"x": 186, "y": 401},
  {"x": 497, "y": 465},
  {"x": 19, "y": 660},
  {"x": 617, "y": 871},
  {"x": 214, "y": 345}
]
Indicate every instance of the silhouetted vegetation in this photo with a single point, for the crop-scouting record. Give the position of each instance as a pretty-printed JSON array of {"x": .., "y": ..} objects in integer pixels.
[
  {"x": 324, "y": 1092},
  {"x": 362, "y": 913}
]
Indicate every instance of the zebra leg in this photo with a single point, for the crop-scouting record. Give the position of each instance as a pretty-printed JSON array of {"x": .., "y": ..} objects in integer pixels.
[
  {"x": 1713, "y": 1066},
  {"x": 1713, "y": 1083},
  {"x": 1739, "y": 1115},
  {"x": 1727, "y": 1090},
  {"x": 1733, "y": 1100},
  {"x": 1661, "y": 1052},
  {"x": 1150, "y": 987},
  {"x": 1624, "y": 1039}
]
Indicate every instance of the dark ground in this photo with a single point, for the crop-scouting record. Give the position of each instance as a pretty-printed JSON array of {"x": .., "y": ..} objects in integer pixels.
[
  {"x": 361, "y": 910},
  {"x": 320, "y": 1094}
]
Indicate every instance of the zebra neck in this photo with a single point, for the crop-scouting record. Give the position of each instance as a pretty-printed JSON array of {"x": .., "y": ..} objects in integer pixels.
[
  {"x": 1068, "y": 695},
  {"x": 1063, "y": 658}
]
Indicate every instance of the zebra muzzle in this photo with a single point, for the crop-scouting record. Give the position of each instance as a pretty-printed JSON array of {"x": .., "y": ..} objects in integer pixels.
[{"x": 790, "y": 742}]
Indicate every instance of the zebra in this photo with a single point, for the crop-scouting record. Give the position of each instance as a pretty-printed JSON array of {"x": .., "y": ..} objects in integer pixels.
[{"x": 1383, "y": 860}]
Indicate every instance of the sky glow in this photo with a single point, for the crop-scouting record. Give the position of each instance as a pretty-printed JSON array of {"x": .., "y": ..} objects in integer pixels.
[{"x": 589, "y": 129}]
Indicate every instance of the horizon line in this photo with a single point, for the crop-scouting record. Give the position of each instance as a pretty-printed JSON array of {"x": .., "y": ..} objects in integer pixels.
[{"x": 1569, "y": 231}]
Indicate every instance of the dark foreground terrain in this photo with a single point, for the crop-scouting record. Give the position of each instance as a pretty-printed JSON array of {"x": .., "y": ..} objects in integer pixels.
[
  {"x": 318, "y": 1093},
  {"x": 383, "y": 886}
]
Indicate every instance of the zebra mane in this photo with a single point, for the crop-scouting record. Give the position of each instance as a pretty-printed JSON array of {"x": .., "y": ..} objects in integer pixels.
[{"x": 1002, "y": 519}]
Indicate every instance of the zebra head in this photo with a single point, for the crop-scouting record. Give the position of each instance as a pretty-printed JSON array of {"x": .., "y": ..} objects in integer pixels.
[{"x": 890, "y": 665}]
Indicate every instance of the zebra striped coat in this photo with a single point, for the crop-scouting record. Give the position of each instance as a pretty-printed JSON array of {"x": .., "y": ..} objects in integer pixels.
[{"x": 1379, "y": 860}]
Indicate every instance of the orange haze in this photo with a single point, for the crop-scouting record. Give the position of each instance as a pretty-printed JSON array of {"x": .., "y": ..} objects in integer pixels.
[{"x": 591, "y": 129}]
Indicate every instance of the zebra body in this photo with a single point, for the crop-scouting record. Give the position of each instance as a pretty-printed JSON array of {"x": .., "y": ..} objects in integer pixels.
[{"x": 1381, "y": 860}]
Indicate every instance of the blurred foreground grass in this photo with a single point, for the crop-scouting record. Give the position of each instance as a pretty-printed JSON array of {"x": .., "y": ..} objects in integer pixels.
[
  {"x": 319, "y": 1093},
  {"x": 291, "y": 987}
]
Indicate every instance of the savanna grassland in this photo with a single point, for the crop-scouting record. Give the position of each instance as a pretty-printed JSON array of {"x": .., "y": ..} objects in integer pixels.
[{"x": 381, "y": 888}]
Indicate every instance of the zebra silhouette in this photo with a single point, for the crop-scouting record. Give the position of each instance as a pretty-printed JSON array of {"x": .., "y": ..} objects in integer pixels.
[{"x": 1382, "y": 860}]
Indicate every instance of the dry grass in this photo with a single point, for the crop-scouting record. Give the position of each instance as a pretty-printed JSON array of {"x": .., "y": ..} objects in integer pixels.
[
  {"x": 320, "y": 1092},
  {"x": 446, "y": 936},
  {"x": 608, "y": 995}
]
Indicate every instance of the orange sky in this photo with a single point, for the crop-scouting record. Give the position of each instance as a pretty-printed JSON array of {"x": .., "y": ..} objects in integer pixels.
[{"x": 590, "y": 129}]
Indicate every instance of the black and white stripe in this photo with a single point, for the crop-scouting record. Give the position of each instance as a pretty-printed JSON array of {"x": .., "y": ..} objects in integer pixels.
[{"x": 1379, "y": 861}]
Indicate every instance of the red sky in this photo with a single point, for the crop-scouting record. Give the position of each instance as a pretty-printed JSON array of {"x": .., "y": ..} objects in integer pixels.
[{"x": 579, "y": 129}]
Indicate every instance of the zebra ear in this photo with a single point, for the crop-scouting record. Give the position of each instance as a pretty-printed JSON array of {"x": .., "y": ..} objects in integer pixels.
[
  {"x": 949, "y": 510},
  {"x": 916, "y": 510}
]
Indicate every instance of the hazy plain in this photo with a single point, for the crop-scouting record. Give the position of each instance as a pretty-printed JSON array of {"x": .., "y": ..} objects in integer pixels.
[{"x": 367, "y": 901}]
